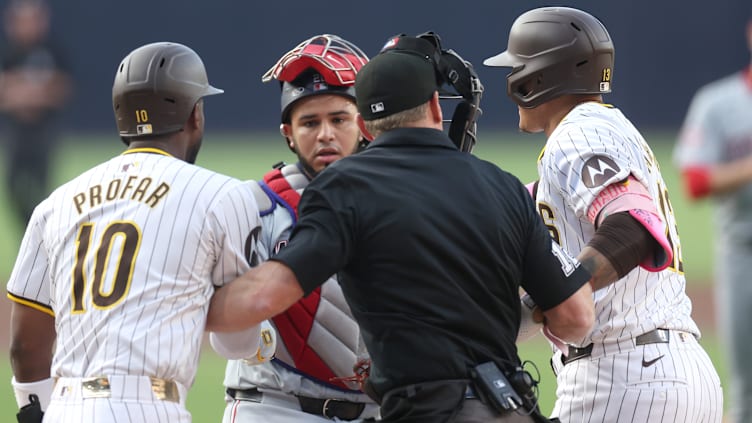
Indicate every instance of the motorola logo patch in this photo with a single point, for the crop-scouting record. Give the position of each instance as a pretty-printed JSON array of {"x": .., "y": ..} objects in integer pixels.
[{"x": 597, "y": 170}]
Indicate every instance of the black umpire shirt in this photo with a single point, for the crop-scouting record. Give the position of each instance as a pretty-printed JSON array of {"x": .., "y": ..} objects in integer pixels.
[{"x": 430, "y": 245}]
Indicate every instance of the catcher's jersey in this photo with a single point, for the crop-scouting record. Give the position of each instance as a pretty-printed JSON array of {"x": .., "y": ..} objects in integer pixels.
[
  {"x": 595, "y": 146},
  {"x": 126, "y": 257},
  {"x": 717, "y": 130},
  {"x": 333, "y": 335}
]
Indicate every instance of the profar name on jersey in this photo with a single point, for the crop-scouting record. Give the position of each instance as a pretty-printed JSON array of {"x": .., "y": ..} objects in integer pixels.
[{"x": 132, "y": 188}]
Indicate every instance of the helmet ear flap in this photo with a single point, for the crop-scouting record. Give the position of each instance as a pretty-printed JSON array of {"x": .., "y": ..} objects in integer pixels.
[
  {"x": 460, "y": 76},
  {"x": 459, "y": 126},
  {"x": 460, "y": 115}
]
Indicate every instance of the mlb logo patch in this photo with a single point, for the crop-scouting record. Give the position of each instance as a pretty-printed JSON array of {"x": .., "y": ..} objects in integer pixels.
[
  {"x": 605, "y": 86},
  {"x": 377, "y": 107},
  {"x": 144, "y": 129}
]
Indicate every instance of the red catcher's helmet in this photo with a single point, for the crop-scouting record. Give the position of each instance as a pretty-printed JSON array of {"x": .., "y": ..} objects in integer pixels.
[{"x": 323, "y": 64}]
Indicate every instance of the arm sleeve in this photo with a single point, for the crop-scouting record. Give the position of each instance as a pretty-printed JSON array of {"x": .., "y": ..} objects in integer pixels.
[{"x": 236, "y": 345}]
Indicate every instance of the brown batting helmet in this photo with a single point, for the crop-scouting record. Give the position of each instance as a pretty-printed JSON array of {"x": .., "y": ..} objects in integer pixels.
[
  {"x": 554, "y": 51},
  {"x": 156, "y": 87}
]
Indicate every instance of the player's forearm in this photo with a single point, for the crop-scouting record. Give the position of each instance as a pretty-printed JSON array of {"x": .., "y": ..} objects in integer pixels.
[
  {"x": 30, "y": 361},
  {"x": 601, "y": 270},
  {"x": 32, "y": 340},
  {"x": 31, "y": 368},
  {"x": 731, "y": 176},
  {"x": 257, "y": 295}
]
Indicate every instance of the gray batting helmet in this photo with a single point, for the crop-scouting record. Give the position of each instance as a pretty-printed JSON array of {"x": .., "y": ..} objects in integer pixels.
[
  {"x": 156, "y": 87},
  {"x": 554, "y": 51}
]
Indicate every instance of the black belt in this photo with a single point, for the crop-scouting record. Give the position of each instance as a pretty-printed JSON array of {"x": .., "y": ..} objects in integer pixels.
[
  {"x": 325, "y": 407},
  {"x": 655, "y": 336}
]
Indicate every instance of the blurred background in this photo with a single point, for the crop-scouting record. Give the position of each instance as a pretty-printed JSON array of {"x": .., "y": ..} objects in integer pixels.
[{"x": 665, "y": 50}]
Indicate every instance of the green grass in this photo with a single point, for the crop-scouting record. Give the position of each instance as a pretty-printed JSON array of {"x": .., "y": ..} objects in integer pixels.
[{"x": 250, "y": 155}]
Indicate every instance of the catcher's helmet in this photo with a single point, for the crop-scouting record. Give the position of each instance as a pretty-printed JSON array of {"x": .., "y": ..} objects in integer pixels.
[
  {"x": 156, "y": 87},
  {"x": 554, "y": 51},
  {"x": 323, "y": 64}
]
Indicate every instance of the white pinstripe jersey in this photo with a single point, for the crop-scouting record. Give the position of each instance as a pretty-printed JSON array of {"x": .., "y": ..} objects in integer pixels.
[
  {"x": 594, "y": 146},
  {"x": 127, "y": 255}
]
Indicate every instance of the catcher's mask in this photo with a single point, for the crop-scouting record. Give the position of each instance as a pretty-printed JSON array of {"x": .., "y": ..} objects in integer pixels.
[
  {"x": 554, "y": 51},
  {"x": 457, "y": 80},
  {"x": 155, "y": 89},
  {"x": 322, "y": 64}
]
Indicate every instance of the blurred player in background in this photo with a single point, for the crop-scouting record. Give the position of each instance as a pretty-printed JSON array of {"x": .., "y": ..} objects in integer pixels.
[
  {"x": 35, "y": 84},
  {"x": 117, "y": 266},
  {"x": 602, "y": 196},
  {"x": 319, "y": 346},
  {"x": 714, "y": 154}
]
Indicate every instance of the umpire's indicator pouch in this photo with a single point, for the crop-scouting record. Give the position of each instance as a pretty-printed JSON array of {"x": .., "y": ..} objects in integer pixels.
[
  {"x": 518, "y": 396},
  {"x": 495, "y": 387}
]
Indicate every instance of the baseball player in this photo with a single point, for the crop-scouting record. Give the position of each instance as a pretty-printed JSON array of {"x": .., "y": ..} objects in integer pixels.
[
  {"x": 602, "y": 196},
  {"x": 714, "y": 153},
  {"x": 309, "y": 378},
  {"x": 117, "y": 266}
]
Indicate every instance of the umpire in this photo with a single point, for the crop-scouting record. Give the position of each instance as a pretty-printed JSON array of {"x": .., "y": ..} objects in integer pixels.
[{"x": 431, "y": 245}]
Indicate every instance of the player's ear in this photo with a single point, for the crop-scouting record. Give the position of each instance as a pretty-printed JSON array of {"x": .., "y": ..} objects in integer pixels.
[
  {"x": 196, "y": 118},
  {"x": 285, "y": 129},
  {"x": 363, "y": 130},
  {"x": 435, "y": 108}
]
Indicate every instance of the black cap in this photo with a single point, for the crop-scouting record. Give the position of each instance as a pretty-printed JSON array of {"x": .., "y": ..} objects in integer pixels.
[{"x": 392, "y": 82}]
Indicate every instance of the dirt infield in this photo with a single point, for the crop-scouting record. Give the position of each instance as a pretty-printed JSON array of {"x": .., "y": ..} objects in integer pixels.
[{"x": 701, "y": 295}]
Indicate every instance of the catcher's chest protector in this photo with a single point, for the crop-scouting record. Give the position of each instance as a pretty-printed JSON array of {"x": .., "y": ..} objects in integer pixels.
[{"x": 295, "y": 326}]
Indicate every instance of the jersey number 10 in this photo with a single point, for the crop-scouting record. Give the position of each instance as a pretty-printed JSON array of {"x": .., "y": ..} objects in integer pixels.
[{"x": 126, "y": 236}]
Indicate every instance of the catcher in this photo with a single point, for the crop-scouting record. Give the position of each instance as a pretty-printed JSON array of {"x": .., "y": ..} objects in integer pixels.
[{"x": 318, "y": 341}]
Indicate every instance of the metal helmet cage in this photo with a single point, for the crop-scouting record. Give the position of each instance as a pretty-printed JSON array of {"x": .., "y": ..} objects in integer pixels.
[{"x": 334, "y": 58}]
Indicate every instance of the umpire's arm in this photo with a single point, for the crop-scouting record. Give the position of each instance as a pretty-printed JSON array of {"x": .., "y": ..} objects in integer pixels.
[{"x": 257, "y": 295}]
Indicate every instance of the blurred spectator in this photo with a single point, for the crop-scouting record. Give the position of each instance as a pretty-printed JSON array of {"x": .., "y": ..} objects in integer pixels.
[
  {"x": 34, "y": 85},
  {"x": 714, "y": 153}
]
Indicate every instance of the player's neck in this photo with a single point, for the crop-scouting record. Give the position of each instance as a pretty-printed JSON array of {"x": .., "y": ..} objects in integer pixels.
[
  {"x": 561, "y": 106},
  {"x": 170, "y": 145}
]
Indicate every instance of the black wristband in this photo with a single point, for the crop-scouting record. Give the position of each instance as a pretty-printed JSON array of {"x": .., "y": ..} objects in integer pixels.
[{"x": 31, "y": 412}]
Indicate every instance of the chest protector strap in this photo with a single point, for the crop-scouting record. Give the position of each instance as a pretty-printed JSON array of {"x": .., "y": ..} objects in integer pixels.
[{"x": 294, "y": 325}]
